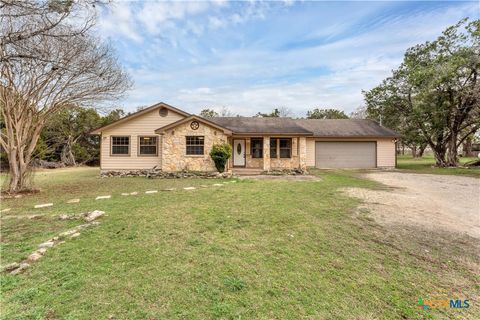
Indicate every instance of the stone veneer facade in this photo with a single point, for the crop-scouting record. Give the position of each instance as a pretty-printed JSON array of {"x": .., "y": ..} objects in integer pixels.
[{"x": 173, "y": 146}]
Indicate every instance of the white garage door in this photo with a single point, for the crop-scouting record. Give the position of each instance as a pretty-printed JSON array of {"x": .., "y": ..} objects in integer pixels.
[{"x": 345, "y": 154}]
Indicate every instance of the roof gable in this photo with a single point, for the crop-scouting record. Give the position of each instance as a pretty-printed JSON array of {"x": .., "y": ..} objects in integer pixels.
[
  {"x": 175, "y": 124},
  {"x": 140, "y": 113}
]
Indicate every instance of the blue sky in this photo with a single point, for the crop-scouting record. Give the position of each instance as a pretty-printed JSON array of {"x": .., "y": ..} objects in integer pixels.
[{"x": 255, "y": 56}]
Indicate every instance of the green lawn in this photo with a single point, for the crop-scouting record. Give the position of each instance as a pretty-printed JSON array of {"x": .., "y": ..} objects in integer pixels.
[
  {"x": 247, "y": 250},
  {"x": 426, "y": 164}
]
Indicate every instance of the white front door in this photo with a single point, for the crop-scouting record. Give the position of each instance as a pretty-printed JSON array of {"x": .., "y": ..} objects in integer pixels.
[{"x": 239, "y": 153}]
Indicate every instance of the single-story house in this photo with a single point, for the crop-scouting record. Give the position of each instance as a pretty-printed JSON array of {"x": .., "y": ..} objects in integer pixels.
[{"x": 174, "y": 140}]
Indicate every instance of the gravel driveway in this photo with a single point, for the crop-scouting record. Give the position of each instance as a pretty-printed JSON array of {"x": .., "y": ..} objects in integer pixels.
[{"x": 450, "y": 203}]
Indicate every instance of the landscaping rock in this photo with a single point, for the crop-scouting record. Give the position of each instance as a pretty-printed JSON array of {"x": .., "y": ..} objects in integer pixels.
[
  {"x": 125, "y": 194},
  {"x": 76, "y": 234},
  {"x": 47, "y": 244},
  {"x": 189, "y": 188},
  {"x": 218, "y": 185},
  {"x": 11, "y": 266},
  {"x": 44, "y": 205},
  {"x": 72, "y": 216},
  {"x": 6, "y": 210},
  {"x": 21, "y": 268},
  {"x": 134, "y": 193},
  {"x": 34, "y": 257},
  {"x": 283, "y": 172},
  {"x": 34, "y": 216},
  {"x": 42, "y": 250},
  {"x": 151, "y": 191},
  {"x": 103, "y": 197},
  {"x": 73, "y": 201},
  {"x": 169, "y": 189},
  {"x": 68, "y": 232},
  {"x": 158, "y": 173},
  {"x": 94, "y": 215}
]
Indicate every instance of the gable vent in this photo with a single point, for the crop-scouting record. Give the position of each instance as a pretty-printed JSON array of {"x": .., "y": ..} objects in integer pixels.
[{"x": 163, "y": 112}]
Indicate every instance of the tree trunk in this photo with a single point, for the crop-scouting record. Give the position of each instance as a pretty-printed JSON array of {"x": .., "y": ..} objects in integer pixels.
[
  {"x": 421, "y": 150},
  {"x": 19, "y": 171},
  {"x": 452, "y": 154},
  {"x": 414, "y": 151},
  {"x": 467, "y": 147},
  {"x": 439, "y": 154},
  {"x": 67, "y": 156}
]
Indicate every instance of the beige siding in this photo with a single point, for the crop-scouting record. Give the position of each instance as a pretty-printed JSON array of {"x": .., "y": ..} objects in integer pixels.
[
  {"x": 385, "y": 153},
  {"x": 385, "y": 150},
  {"x": 143, "y": 125}
]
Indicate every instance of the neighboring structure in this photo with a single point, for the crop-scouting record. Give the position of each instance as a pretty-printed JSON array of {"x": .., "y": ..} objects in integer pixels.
[{"x": 174, "y": 140}]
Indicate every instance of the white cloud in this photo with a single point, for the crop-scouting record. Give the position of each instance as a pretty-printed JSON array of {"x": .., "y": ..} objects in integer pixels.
[
  {"x": 118, "y": 19},
  {"x": 257, "y": 75}
]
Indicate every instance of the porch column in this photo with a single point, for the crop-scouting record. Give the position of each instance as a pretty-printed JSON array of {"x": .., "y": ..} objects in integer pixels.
[
  {"x": 266, "y": 153},
  {"x": 302, "y": 152}
]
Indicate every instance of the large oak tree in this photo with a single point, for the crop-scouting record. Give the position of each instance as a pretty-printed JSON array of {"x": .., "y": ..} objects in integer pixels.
[{"x": 435, "y": 93}]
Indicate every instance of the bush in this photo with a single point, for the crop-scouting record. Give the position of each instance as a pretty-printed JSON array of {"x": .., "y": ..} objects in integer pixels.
[{"x": 220, "y": 154}]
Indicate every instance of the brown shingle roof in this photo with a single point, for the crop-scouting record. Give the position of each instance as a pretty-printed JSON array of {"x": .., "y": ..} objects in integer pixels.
[
  {"x": 257, "y": 125},
  {"x": 348, "y": 128}
]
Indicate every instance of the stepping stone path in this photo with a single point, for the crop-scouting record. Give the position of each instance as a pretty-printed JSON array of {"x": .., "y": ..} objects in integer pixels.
[
  {"x": 189, "y": 188},
  {"x": 102, "y": 197},
  {"x": 43, "y": 205},
  {"x": 16, "y": 268},
  {"x": 73, "y": 201},
  {"x": 151, "y": 191}
]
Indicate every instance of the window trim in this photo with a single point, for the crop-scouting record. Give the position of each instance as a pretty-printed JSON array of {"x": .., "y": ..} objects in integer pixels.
[
  {"x": 147, "y": 155},
  {"x": 261, "y": 146},
  {"x": 278, "y": 148},
  {"x": 194, "y": 155},
  {"x": 129, "y": 146}
]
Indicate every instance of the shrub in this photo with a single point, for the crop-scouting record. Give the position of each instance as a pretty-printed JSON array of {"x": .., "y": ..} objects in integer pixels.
[{"x": 220, "y": 154}]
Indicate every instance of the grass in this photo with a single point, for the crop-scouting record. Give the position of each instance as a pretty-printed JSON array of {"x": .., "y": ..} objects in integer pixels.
[
  {"x": 251, "y": 249},
  {"x": 426, "y": 164}
]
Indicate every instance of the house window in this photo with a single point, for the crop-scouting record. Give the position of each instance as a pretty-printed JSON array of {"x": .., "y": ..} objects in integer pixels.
[
  {"x": 121, "y": 145},
  {"x": 195, "y": 145},
  {"x": 280, "y": 147},
  {"x": 256, "y": 145},
  {"x": 147, "y": 146},
  {"x": 285, "y": 148},
  {"x": 273, "y": 148}
]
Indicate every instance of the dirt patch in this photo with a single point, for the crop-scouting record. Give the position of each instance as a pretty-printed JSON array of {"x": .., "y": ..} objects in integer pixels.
[{"x": 436, "y": 202}]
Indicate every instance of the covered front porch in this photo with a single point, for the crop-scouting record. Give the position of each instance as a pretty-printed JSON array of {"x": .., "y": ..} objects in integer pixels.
[{"x": 255, "y": 154}]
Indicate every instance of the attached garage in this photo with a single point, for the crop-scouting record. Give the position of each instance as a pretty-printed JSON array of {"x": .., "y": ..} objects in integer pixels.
[{"x": 345, "y": 154}]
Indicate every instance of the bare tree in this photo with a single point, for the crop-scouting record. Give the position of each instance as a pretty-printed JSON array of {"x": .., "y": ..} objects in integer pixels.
[{"x": 49, "y": 60}]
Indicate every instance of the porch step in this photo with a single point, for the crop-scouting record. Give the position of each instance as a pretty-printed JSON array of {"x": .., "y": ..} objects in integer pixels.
[{"x": 247, "y": 171}]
